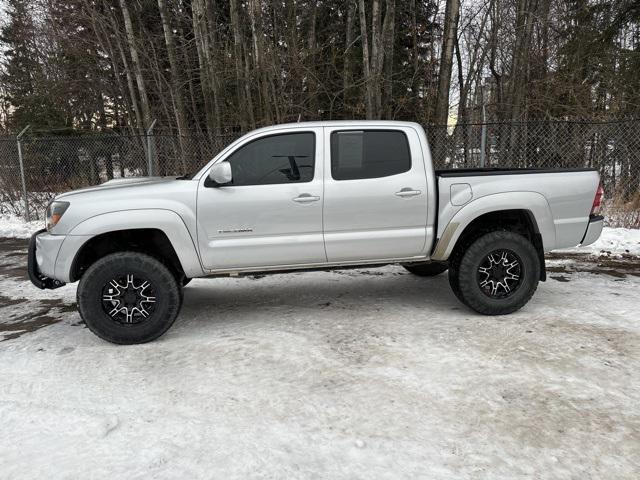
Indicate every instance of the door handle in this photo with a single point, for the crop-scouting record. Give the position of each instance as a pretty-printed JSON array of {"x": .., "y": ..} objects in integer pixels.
[
  {"x": 408, "y": 192},
  {"x": 306, "y": 198}
]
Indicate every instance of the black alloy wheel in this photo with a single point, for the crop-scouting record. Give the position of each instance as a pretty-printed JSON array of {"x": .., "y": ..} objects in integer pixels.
[
  {"x": 128, "y": 299},
  {"x": 500, "y": 274}
]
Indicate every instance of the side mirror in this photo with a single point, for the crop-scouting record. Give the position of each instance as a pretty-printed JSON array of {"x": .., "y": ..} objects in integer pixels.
[{"x": 220, "y": 173}]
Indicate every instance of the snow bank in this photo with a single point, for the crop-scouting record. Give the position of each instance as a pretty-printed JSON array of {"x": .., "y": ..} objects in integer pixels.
[
  {"x": 15, "y": 227},
  {"x": 612, "y": 242}
]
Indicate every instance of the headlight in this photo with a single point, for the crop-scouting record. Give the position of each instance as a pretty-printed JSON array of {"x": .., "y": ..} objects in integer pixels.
[{"x": 55, "y": 210}]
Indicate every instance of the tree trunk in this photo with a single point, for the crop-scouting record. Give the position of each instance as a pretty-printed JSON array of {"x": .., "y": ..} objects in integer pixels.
[
  {"x": 106, "y": 45},
  {"x": 137, "y": 69},
  {"x": 366, "y": 67},
  {"x": 176, "y": 85},
  {"x": 451, "y": 16},
  {"x": 389, "y": 41},
  {"x": 347, "y": 72},
  {"x": 198, "y": 20},
  {"x": 376, "y": 57},
  {"x": 518, "y": 76},
  {"x": 311, "y": 76},
  {"x": 193, "y": 110},
  {"x": 242, "y": 78},
  {"x": 477, "y": 55},
  {"x": 255, "y": 19},
  {"x": 108, "y": 160},
  {"x": 212, "y": 43},
  {"x": 130, "y": 82},
  {"x": 374, "y": 64}
]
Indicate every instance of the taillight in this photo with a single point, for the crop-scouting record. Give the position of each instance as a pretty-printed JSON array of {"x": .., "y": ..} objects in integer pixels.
[{"x": 597, "y": 201}]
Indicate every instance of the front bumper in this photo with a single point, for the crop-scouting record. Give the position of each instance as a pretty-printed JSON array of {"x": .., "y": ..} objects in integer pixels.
[
  {"x": 38, "y": 278},
  {"x": 594, "y": 229}
]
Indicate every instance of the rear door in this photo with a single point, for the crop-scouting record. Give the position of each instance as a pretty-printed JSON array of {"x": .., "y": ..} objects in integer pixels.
[{"x": 375, "y": 194}]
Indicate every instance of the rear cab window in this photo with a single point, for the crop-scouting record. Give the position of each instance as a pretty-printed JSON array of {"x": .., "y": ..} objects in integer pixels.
[{"x": 362, "y": 154}]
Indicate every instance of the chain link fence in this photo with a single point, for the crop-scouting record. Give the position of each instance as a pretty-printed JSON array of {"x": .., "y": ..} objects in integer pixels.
[
  {"x": 612, "y": 147},
  {"x": 55, "y": 164}
]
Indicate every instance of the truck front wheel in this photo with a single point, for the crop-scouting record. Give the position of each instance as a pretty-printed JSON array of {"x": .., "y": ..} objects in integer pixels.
[
  {"x": 128, "y": 298},
  {"x": 496, "y": 274}
]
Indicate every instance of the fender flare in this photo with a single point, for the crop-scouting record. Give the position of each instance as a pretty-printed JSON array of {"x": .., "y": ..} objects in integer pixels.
[
  {"x": 167, "y": 221},
  {"x": 533, "y": 202}
]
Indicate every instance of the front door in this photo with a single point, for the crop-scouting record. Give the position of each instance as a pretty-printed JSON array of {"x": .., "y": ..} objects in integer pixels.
[
  {"x": 270, "y": 214},
  {"x": 375, "y": 197}
]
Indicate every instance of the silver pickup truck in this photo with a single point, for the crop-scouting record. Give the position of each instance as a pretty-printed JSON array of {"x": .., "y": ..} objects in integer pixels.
[{"x": 309, "y": 196}]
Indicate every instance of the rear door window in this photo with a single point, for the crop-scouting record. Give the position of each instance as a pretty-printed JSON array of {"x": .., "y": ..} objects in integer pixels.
[{"x": 359, "y": 154}]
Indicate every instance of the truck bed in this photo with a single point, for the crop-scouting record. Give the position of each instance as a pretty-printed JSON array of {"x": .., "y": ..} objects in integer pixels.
[{"x": 559, "y": 199}]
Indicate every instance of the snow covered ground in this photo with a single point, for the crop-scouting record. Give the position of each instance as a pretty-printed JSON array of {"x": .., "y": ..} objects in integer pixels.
[
  {"x": 370, "y": 373},
  {"x": 12, "y": 226},
  {"x": 614, "y": 242}
]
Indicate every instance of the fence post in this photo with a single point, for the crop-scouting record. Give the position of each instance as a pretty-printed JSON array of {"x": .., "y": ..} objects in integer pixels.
[
  {"x": 150, "y": 162},
  {"x": 22, "y": 175},
  {"x": 483, "y": 137}
]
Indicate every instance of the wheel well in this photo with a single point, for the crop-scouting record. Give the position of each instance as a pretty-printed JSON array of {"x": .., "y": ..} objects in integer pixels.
[
  {"x": 519, "y": 221},
  {"x": 149, "y": 241}
]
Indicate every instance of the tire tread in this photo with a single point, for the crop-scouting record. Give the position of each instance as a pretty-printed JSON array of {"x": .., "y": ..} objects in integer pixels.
[
  {"x": 462, "y": 274},
  {"x": 92, "y": 314}
]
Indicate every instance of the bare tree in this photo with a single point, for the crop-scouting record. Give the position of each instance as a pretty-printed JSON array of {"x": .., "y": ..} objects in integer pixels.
[
  {"x": 207, "y": 65},
  {"x": 374, "y": 52}
]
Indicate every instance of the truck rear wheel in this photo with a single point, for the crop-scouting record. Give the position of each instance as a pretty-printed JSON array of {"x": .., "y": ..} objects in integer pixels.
[
  {"x": 496, "y": 274},
  {"x": 128, "y": 298},
  {"x": 428, "y": 269}
]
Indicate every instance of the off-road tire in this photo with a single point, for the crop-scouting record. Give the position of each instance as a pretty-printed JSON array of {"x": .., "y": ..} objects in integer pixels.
[
  {"x": 167, "y": 294},
  {"x": 465, "y": 262},
  {"x": 428, "y": 269}
]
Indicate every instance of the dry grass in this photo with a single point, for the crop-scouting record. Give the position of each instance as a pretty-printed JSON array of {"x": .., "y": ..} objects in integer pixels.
[{"x": 621, "y": 213}]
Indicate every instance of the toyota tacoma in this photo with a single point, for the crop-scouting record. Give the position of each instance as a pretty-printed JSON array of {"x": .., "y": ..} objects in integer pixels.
[{"x": 310, "y": 196}]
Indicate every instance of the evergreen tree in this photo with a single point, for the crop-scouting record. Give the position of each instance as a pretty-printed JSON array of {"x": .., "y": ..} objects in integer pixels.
[{"x": 26, "y": 86}]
